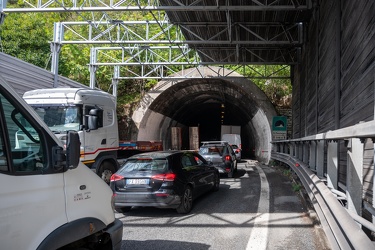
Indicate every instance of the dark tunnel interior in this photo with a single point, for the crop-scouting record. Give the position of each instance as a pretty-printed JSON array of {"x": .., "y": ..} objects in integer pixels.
[{"x": 208, "y": 105}]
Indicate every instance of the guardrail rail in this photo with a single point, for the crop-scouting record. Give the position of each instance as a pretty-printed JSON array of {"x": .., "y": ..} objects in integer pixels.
[{"x": 315, "y": 160}]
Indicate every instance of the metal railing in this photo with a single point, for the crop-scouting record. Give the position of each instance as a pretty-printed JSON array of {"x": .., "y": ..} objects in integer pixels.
[{"x": 314, "y": 160}]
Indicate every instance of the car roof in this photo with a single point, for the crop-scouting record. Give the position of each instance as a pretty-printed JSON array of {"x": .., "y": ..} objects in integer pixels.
[
  {"x": 158, "y": 154},
  {"x": 211, "y": 143}
]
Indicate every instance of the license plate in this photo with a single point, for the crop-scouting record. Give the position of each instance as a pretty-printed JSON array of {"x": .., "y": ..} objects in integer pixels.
[{"x": 137, "y": 181}]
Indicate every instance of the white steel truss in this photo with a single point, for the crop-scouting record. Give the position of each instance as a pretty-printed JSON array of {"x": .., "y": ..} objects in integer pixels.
[{"x": 161, "y": 54}]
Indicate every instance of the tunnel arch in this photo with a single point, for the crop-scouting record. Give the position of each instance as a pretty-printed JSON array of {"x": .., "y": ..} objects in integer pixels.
[{"x": 198, "y": 102}]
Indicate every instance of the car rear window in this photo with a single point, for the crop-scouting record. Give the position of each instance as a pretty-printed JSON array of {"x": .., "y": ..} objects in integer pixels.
[
  {"x": 212, "y": 150},
  {"x": 142, "y": 164}
]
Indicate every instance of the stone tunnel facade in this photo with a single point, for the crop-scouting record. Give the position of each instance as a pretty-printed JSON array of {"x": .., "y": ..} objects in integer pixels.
[{"x": 199, "y": 102}]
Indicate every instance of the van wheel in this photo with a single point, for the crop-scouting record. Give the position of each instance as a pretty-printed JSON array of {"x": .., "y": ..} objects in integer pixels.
[
  {"x": 106, "y": 170},
  {"x": 186, "y": 201}
]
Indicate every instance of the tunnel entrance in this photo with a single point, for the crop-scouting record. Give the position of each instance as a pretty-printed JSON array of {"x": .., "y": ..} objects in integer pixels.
[{"x": 208, "y": 103}]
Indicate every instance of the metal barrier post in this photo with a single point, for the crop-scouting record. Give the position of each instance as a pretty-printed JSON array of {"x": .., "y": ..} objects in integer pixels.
[
  {"x": 291, "y": 149},
  {"x": 305, "y": 152},
  {"x": 312, "y": 155},
  {"x": 300, "y": 150},
  {"x": 354, "y": 182},
  {"x": 320, "y": 158},
  {"x": 332, "y": 165}
]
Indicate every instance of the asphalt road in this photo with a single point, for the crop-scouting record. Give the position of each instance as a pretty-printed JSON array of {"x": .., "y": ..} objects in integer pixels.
[{"x": 257, "y": 209}]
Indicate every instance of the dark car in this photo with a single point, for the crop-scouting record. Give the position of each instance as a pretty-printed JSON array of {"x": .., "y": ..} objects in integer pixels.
[
  {"x": 164, "y": 179},
  {"x": 221, "y": 154}
]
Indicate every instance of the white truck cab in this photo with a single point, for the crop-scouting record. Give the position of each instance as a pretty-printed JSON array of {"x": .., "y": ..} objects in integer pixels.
[
  {"x": 90, "y": 112},
  {"x": 49, "y": 199}
]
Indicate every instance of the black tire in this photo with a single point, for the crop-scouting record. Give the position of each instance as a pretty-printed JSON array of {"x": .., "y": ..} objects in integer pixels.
[
  {"x": 230, "y": 174},
  {"x": 216, "y": 183},
  {"x": 122, "y": 210},
  {"x": 106, "y": 170},
  {"x": 186, "y": 201}
]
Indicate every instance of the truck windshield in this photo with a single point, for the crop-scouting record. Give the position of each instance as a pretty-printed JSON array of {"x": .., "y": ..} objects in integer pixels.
[{"x": 60, "y": 118}]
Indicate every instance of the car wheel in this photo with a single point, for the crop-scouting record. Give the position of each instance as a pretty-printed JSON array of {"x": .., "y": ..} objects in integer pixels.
[
  {"x": 186, "y": 201},
  {"x": 122, "y": 209},
  {"x": 216, "y": 183}
]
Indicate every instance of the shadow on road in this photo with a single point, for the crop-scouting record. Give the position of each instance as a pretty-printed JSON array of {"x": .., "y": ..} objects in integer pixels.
[{"x": 162, "y": 244}]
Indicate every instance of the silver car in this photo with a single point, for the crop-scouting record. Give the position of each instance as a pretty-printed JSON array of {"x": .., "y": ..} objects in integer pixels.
[
  {"x": 237, "y": 151},
  {"x": 222, "y": 156}
]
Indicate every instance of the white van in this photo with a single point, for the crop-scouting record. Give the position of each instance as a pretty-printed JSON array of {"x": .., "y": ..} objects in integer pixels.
[
  {"x": 232, "y": 139},
  {"x": 49, "y": 199}
]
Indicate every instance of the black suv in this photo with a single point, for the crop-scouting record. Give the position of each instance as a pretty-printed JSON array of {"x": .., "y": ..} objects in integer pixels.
[{"x": 221, "y": 154}]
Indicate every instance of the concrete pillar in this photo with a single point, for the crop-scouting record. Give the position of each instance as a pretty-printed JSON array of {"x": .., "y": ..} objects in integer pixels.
[
  {"x": 320, "y": 158},
  {"x": 354, "y": 180},
  {"x": 332, "y": 164},
  {"x": 312, "y": 156}
]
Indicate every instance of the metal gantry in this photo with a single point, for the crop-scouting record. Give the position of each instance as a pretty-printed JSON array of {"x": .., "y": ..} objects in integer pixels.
[{"x": 178, "y": 44}]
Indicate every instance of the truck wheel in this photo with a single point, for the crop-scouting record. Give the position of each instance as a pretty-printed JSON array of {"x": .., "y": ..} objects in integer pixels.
[
  {"x": 106, "y": 170},
  {"x": 186, "y": 201}
]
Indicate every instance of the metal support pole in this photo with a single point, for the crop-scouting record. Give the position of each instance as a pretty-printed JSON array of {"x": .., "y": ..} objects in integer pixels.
[
  {"x": 115, "y": 80},
  {"x": 332, "y": 165},
  {"x": 3, "y": 4},
  {"x": 354, "y": 180},
  {"x": 92, "y": 67},
  {"x": 58, "y": 33}
]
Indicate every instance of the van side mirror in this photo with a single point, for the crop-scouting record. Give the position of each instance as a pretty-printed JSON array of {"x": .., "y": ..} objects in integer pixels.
[{"x": 73, "y": 146}]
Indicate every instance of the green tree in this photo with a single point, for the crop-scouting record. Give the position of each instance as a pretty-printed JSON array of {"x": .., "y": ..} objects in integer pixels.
[{"x": 26, "y": 36}]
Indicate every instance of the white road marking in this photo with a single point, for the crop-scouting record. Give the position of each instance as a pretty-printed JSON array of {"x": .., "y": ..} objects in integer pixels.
[{"x": 259, "y": 234}]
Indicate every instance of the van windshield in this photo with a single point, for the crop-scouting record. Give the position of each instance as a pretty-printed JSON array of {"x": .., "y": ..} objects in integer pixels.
[{"x": 60, "y": 118}]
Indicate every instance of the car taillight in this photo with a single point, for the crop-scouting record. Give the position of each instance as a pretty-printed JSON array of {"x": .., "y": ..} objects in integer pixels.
[
  {"x": 237, "y": 151},
  {"x": 227, "y": 158},
  {"x": 164, "y": 177},
  {"x": 116, "y": 177}
]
